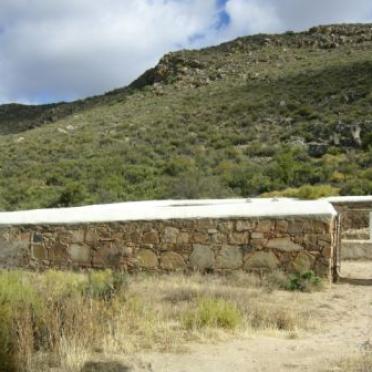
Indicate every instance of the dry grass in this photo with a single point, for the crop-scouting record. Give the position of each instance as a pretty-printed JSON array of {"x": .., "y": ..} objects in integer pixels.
[
  {"x": 358, "y": 363},
  {"x": 63, "y": 320}
]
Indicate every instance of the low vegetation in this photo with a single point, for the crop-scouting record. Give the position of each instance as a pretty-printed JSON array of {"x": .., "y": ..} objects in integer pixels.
[{"x": 59, "y": 319}]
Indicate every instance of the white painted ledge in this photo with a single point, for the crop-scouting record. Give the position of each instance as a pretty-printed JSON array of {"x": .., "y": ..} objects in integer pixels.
[{"x": 170, "y": 209}]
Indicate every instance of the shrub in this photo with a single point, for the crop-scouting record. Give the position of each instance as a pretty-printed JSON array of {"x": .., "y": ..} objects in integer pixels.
[
  {"x": 17, "y": 299},
  {"x": 304, "y": 282},
  {"x": 306, "y": 192},
  {"x": 213, "y": 312},
  {"x": 105, "y": 284}
]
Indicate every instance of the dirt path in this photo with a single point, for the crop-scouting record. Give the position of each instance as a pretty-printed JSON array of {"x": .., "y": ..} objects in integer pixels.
[{"x": 345, "y": 313}]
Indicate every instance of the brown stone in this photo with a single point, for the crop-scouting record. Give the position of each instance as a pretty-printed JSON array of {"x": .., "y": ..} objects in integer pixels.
[
  {"x": 229, "y": 257},
  {"x": 200, "y": 238},
  {"x": 26, "y": 236},
  {"x": 245, "y": 225},
  {"x": 310, "y": 241},
  {"x": 225, "y": 226},
  {"x": 108, "y": 254},
  {"x": 91, "y": 237},
  {"x": 151, "y": 237},
  {"x": 39, "y": 252},
  {"x": 212, "y": 231},
  {"x": 283, "y": 244},
  {"x": 302, "y": 263},
  {"x": 79, "y": 253},
  {"x": 183, "y": 238},
  {"x": 236, "y": 238},
  {"x": 261, "y": 260},
  {"x": 282, "y": 226},
  {"x": 172, "y": 261},
  {"x": 257, "y": 235},
  {"x": 206, "y": 224},
  {"x": 170, "y": 235},
  {"x": 127, "y": 251},
  {"x": 327, "y": 251},
  {"x": 77, "y": 236},
  {"x": 264, "y": 226},
  {"x": 322, "y": 267},
  {"x": 147, "y": 259},
  {"x": 295, "y": 227},
  {"x": 58, "y": 253},
  {"x": 202, "y": 257}
]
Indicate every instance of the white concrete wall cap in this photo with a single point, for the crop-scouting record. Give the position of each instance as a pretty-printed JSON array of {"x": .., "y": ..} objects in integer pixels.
[{"x": 170, "y": 209}]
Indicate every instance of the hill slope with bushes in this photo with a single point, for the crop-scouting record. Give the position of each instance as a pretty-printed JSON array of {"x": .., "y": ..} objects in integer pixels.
[{"x": 290, "y": 114}]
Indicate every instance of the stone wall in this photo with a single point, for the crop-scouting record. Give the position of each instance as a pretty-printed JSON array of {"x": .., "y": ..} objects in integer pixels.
[{"x": 291, "y": 244}]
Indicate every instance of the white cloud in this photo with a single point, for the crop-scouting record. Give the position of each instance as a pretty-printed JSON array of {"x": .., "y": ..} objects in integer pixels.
[
  {"x": 74, "y": 48},
  {"x": 251, "y": 17},
  {"x": 81, "y": 47}
]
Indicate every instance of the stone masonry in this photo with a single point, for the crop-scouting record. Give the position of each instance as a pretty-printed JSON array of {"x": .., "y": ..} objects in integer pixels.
[{"x": 292, "y": 244}]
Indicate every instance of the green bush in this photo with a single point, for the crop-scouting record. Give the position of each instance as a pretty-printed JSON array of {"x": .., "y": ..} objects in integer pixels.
[
  {"x": 17, "y": 299},
  {"x": 305, "y": 282},
  {"x": 213, "y": 312},
  {"x": 306, "y": 192},
  {"x": 105, "y": 284}
]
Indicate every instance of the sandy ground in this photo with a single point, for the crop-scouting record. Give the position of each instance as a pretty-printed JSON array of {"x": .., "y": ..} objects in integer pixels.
[{"x": 345, "y": 315}]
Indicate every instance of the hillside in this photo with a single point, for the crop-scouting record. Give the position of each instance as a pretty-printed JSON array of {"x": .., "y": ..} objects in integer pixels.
[{"x": 258, "y": 114}]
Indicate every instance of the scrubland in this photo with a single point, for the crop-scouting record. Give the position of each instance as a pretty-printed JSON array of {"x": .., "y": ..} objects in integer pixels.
[{"x": 59, "y": 321}]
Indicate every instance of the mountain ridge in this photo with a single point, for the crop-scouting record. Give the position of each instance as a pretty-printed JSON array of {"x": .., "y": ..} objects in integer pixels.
[{"x": 258, "y": 114}]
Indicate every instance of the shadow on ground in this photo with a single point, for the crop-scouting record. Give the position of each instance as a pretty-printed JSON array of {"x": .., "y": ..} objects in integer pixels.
[{"x": 355, "y": 281}]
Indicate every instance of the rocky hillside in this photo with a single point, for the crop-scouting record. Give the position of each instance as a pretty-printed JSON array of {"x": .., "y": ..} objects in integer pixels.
[{"x": 290, "y": 114}]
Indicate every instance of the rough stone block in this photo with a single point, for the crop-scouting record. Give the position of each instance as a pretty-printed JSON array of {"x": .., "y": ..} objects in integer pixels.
[
  {"x": 79, "y": 254},
  {"x": 245, "y": 225},
  {"x": 295, "y": 227},
  {"x": 283, "y": 244},
  {"x": 200, "y": 238},
  {"x": 229, "y": 257},
  {"x": 261, "y": 260},
  {"x": 108, "y": 255},
  {"x": 206, "y": 224},
  {"x": 172, "y": 261},
  {"x": 91, "y": 237},
  {"x": 257, "y": 235},
  {"x": 225, "y": 227},
  {"x": 170, "y": 235},
  {"x": 327, "y": 251},
  {"x": 39, "y": 252},
  {"x": 202, "y": 257},
  {"x": 183, "y": 238},
  {"x": 302, "y": 263},
  {"x": 151, "y": 237},
  {"x": 147, "y": 259},
  {"x": 239, "y": 238},
  {"x": 310, "y": 241},
  {"x": 58, "y": 254},
  {"x": 14, "y": 254},
  {"x": 77, "y": 236},
  {"x": 265, "y": 226},
  {"x": 282, "y": 226}
]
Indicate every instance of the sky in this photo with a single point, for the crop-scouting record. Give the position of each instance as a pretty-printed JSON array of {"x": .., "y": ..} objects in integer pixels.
[{"x": 53, "y": 50}]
